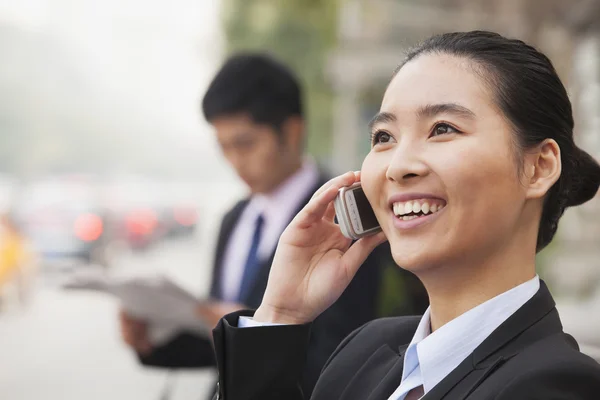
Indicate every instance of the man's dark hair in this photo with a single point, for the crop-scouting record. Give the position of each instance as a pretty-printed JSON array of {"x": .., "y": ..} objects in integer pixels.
[
  {"x": 255, "y": 84},
  {"x": 528, "y": 91}
]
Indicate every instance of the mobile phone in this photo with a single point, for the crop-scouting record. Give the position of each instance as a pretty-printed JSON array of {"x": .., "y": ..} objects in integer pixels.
[{"x": 354, "y": 213}]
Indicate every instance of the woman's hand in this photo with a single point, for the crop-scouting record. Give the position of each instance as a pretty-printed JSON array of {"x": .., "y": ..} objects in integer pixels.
[{"x": 314, "y": 262}]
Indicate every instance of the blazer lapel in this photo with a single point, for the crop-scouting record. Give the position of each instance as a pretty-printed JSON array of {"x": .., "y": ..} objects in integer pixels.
[
  {"x": 392, "y": 379},
  {"x": 258, "y": 286},
  {"x": 229, "y": 221},
  {"x": 534, "y": 320}
]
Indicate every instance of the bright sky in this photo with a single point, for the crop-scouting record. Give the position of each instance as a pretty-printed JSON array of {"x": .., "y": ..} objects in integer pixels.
[{"x": 149, "y": 60}]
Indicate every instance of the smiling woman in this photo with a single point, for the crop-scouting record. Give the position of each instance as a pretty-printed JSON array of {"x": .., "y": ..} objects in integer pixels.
[{"x": 471, "y": 167}]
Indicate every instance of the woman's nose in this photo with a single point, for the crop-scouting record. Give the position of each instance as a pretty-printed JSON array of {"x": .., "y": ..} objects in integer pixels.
[{"x": 406, "y": 163}]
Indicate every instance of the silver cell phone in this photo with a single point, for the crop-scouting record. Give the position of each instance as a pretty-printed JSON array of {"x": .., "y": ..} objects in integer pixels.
[{"x": 354, "y": 213}]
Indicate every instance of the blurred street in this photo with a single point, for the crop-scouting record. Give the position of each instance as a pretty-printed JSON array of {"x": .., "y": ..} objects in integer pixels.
[{"x": 66, "y": 345}]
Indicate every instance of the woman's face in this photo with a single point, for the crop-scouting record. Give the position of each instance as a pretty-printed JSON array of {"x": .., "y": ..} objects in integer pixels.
[{"x": 441, "y": 174}]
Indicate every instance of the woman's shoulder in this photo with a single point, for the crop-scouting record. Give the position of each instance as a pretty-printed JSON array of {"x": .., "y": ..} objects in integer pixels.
[
  {"x": 558, "y": 351},
  {"x": 550, "y": 366},
  {"x": 394, "y": 331}
]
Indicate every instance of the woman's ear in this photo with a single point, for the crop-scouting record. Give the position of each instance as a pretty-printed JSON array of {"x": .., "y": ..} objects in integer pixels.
[{"x": 542, "y": 169}]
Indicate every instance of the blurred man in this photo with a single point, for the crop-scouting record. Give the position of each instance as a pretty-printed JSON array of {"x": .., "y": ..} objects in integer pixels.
[{"x": 255, "y": 106}]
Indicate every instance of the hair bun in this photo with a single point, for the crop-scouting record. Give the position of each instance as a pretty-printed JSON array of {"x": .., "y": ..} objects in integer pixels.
[{"x": 585, "y": 179}]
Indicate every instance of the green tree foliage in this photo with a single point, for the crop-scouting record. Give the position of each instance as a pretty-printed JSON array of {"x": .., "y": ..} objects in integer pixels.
[{"x": 301, "y": 33}]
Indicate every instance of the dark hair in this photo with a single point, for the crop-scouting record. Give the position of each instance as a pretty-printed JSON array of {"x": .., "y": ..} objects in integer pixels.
[
  {"x": 528, "y": 91},
  {"x": 255, "y": 84}
]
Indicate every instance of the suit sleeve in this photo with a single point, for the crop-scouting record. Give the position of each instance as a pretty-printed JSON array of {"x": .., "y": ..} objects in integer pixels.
[
  {"x": 260, "y": 362},
  {"x": 186, "y": 350},
  {"x": 577, "y": 381},
  {"x": 354, "y": 308}
]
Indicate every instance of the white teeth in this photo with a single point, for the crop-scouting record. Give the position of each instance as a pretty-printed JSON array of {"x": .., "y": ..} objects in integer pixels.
[{"x": 416, "y": 207}]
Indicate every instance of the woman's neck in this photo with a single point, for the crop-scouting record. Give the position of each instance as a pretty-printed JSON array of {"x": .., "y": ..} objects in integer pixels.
[{"x": 455, "y": 289}]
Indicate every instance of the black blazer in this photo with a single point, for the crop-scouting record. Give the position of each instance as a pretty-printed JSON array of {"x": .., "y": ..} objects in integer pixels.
[
  {"x": 527, "y": 357},
  {"x": 355, "y": 307}
]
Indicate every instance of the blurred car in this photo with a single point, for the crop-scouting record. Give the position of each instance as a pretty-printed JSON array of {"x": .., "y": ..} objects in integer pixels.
[
  {"x": 64, "y": 221},
  {"x": 179, "y": 220},
  {"x": 144, "y": 225},
  {"x": 146, "y": 211},
  {"x": 139, "y": 227},
  {"x": 131, "y": 204},
  {"x": 180, "y": 208}
]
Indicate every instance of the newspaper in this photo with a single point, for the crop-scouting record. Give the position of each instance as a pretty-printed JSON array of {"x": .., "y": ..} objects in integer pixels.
[{"x": 166, "y": 306}]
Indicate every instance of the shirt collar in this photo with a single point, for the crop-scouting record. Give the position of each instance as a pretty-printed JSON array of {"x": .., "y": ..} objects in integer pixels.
[{"x": 440, "y": 352}]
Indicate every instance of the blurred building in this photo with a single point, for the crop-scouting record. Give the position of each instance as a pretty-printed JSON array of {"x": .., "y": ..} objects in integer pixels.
[{"x": 300, "y": 33}]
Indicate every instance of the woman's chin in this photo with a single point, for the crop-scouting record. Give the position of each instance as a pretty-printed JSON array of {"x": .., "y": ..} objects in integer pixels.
[{"x": 414, "y": 261}]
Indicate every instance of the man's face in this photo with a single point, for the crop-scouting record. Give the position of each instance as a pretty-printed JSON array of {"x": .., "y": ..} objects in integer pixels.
[{"x": 260, "y": 156}]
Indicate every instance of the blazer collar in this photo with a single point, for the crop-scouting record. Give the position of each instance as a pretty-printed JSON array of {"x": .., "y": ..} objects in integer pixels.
[
  {"x": 524, "y": 318},
  {"x": 392, "y": 378},
  {"x": 536, "y": 319}
]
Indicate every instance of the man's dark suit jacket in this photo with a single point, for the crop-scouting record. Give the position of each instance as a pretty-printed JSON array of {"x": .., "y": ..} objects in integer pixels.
[
  {"x": 356, "y": 306},
  {"x": 527, "y": 357}
]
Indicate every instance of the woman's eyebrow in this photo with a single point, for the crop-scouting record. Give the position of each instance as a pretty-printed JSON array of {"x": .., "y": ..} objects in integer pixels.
[
  {"x": 431, "y": 110},
  {"x": 381, "y": 117}
]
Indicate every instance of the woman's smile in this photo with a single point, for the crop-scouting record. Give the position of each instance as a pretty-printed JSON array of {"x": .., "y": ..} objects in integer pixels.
[{"x": 415, "y": 209}]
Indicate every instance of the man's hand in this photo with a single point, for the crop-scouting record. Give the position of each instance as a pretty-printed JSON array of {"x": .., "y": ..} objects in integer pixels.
[
  {"x": 135, "y": 333},
  {"x": 212, "y": 312}
]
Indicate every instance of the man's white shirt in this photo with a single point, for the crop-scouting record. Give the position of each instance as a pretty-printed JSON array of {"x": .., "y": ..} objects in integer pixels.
[{"x": 277, "y": 209}]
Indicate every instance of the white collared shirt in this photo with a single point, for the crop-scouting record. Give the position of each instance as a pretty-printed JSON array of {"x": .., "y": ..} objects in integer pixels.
[
  {"x": 277, "y": 208},
  {"x": 430, "y": 357}
]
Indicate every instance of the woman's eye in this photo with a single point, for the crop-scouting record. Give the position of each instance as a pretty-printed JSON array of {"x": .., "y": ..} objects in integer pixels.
[
  {"x": 380, "y": 137},
  {"x": 443, "y": 129}
]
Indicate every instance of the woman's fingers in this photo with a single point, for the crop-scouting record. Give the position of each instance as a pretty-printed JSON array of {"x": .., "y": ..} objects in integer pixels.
[
  {"x": 330, "y": 213},
  {"x": 317, "y": 207},
  {"x": 315, "y": 210},
  {"x": 359, "y": 251},
  {"x": 346, "y": 179}
]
